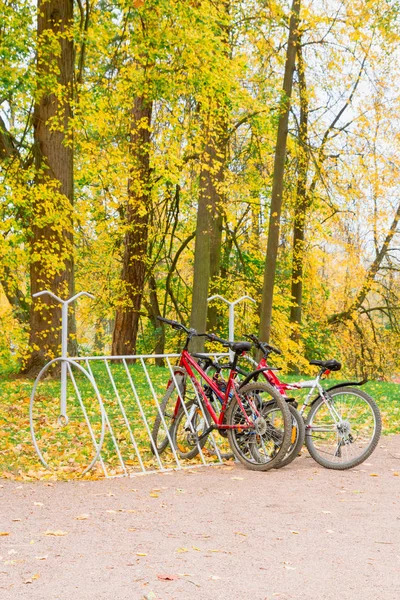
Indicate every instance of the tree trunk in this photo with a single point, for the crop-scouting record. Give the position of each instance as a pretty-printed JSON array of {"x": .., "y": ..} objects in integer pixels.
[
  {"x": 201, "y": 269},
  {"x": 154, "y": 312},
  {"x": 304, "y": 196},
  {"x": 51, "y": 242},
  {"x": 279, "y": 170},
  {"x": 136, "y": 236},
  {"x": 302, "y": 201}
]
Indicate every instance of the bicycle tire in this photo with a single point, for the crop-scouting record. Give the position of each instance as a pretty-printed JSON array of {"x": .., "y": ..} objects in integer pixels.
[
  {"x": 297, "y": 436},
  {"x": 349, "y": 437},
  {"x": 162, "y": 442},
  {"x": 274, "y": 440},
  {"x": 190, "y": 436}
]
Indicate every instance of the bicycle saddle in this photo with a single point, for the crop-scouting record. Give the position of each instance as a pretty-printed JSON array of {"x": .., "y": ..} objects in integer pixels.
[
  {"x": 239, "y": 347},
  {"x": 331, "y": 365}
]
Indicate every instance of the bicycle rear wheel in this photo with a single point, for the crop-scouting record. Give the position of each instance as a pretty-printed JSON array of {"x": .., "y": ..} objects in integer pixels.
[
  {"x": 297, "y": 433},
  {"x": 344, "y": 430},
  {"x": 263, "y": 446}
]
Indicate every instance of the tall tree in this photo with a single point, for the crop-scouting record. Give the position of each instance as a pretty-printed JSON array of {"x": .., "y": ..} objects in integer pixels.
[
  {"x": 278, "y": 175},
  {"x": 136, "y": 230},
  {"x": 51, "y": 265},
  {"x": 207, "y": 254}
]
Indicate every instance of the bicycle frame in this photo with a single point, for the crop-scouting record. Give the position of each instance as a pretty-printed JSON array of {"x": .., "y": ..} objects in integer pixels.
[
  {"x": 188, "y": 363},
  {"x": 282, "y": 387}
]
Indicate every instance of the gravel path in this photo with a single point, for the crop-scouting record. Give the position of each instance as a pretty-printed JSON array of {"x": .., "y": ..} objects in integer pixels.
[{"x": 302, "y": 532}]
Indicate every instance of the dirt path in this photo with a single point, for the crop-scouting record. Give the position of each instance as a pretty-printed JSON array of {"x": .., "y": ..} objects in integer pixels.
[{"x": 302, "y": 532}]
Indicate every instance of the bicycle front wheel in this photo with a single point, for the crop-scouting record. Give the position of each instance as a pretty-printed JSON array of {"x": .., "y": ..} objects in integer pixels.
[
  {"x": 187, "y": 430},
  {"x": 265, "y": 444},
  {"x": 343, "y": 429},
  {"x": 175, "y": 392}
]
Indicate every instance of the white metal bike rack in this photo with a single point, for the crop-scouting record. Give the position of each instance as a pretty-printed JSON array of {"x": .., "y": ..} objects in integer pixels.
[{"x": 114, "y": 400}]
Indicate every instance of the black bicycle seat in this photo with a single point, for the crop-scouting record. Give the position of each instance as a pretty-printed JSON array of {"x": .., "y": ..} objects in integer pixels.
[
  {"x": 331, "y": 365},
  {"x": 239, "y": 347}
]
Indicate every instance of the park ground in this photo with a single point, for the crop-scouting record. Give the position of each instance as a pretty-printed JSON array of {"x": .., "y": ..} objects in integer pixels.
[{"x": 214, "y": 533}]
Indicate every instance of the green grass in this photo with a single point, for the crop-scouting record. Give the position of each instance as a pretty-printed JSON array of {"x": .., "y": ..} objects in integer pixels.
[{"x": 71, "y": 447}]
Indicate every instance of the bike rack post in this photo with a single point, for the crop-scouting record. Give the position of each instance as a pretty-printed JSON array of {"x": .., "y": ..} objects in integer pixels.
[
  {"x": 231, "y": 315},
  {"x": 63, "y": 418}
]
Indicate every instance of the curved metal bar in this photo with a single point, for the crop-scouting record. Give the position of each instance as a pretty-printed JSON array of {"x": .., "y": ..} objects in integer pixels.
[
  {"x": 46, "y": 292},
  {"x": 98, "y": 446}
]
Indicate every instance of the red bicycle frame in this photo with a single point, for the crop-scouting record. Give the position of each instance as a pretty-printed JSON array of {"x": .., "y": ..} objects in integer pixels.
[
  {"x": 270, "y": 376},
  {"x": 187, "y": 362}
]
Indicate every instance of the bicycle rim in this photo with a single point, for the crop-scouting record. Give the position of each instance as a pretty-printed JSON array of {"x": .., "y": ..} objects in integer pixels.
[
  {"x": 264, "y": 445},
  {"x": 343, "y": 432}
]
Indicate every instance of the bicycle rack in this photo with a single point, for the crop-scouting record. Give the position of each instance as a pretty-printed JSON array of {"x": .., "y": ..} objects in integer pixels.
[{"x": 103, "y": 409}]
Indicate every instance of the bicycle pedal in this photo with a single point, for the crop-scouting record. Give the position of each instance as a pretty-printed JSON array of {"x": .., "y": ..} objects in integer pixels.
[{"x": 292, "y": 401}]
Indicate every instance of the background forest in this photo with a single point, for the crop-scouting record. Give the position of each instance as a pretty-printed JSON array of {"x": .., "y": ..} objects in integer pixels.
[{"x": 156, "y": 152}]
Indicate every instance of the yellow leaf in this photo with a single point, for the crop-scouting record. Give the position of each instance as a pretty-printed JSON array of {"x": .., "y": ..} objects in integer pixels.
[
  {"x": 3, "y": 533},
  {"x": 373, "y": 475},
  {"x": 141, "y": 553}
]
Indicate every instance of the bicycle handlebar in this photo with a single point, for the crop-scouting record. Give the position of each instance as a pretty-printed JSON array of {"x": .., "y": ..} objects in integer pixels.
[
  {"x": 193, "y": 333},
  {"x": 266, "y": 348},
  {"x": 214, "y": 338},
  {"x": 176, "y": 325}
]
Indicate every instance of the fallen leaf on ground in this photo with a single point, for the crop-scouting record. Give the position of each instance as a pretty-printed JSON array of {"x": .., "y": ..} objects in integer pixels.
[
  {"x": 41, "y": 557},
  {"x": 56, "y": 533},
  {"x": 373, "y": 475},
  {"x": 141, "y": 553},
  {"x": 82, "y": 517},
  {"x": 4, "y": 533},
  {"x": 182, "y": 550},
  {"x": 295, "y": 532},
  {"x": 167, "y": 577},
  {"x": 33, "y": 578},
  {"x": 396, "y": 474},
  {"x": 154, "y": 495}
]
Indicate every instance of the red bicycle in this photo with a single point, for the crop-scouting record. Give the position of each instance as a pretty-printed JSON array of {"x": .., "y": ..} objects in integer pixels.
[
  {"x": 343, "y": 424},
  {"x": 190, "y": 410}
]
